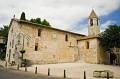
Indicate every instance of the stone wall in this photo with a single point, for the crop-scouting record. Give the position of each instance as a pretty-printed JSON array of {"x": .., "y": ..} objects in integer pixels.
[
  {"x": 93, "y": 54},
  {"x": 12, "y": 36},
  {"x": 104, "y": 57},
  {"x": 88, "y": 54},
  {"x": 52, "y": 47}
]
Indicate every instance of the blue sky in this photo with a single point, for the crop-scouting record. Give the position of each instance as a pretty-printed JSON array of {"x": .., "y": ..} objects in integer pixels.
[
  {"x": 63, "y": 14},
  {"x": 114, "y": 16},
  {"x": 105, "y": 20}
]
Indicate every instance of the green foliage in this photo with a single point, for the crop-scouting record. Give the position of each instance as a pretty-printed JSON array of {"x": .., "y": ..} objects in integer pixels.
[
  {"x": 38, "y": 21},
  {"x": 113, "y": 56},
  {"x": 2, "y": 55},
  {"x": 23, "y": 16},
  {"x": 110, "y": 38},
  {"x": 45, "y": 22},
  {"x": 4, "y": 31}
]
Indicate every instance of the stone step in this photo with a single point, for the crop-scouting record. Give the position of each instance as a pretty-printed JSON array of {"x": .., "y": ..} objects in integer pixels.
[{"x": 80, "y": 61}]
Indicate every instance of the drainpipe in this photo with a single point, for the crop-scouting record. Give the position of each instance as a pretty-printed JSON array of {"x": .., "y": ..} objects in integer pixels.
[{"x": 23, "y": 41}]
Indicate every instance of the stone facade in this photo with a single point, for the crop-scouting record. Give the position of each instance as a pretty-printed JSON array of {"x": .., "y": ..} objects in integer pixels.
[
  {"x": 93, "y": 22},
  {"x": 53, "y": 45},
  {"x": 91, "y": 51},
  {"x": 44, "y": 44}
]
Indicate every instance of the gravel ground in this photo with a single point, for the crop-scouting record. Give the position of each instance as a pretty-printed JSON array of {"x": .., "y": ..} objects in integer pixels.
[
  {"x": 15, "y": 74},
  {"x": 74, "y": 70}
]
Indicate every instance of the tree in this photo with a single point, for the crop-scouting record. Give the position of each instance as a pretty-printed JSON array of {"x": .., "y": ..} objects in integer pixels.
[
  {"x": 110, "y": 39},
  {"x": 45, "y": 22},
  {"x": 4, "y": 33},
  {"x": 23, "y": 16},
  {"x": 38, "y": 21}
]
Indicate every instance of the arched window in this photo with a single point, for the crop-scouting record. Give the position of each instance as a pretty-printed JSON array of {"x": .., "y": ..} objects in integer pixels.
[
  {"x": 39, "y": 32},
  {"x": 87, "y": 45},
  {"x": 97, "y": 22},
  {"x": 66, "y": 37},
  {"x": 12, "y": 30},
  {"x": 36, "y": 46},
  {"x": 9, "y": 55},
  {"x": 28, "y": 42},
  {"x": 91, "y": 22},
  {"x": 12, "y": 43}
]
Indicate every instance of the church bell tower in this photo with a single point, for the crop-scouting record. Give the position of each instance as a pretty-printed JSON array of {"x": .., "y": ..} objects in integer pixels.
[{"x": 93, "y": 22}]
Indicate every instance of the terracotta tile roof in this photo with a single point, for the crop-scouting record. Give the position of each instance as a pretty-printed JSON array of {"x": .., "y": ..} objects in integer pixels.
[
  {"x": 44, "y": 26},
  {"x": 93, "y": 15},
  {"x": 87, "y": 37}
]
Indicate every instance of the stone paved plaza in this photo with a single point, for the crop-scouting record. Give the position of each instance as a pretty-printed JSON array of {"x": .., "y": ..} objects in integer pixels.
[{"x": 74, "y": 70}]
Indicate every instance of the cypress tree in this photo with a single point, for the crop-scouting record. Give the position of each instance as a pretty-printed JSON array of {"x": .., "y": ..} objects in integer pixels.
[{"x": 23, "y": 16}]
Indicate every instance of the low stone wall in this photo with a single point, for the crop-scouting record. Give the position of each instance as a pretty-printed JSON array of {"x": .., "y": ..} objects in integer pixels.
[
  {"x": 103, "y": 74},
  {"x": 2, "y": 63},
  {"x": 73, "y": 70}
]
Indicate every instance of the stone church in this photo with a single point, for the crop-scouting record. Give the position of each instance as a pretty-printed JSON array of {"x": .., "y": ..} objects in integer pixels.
[{"x": 45, "y": 45}]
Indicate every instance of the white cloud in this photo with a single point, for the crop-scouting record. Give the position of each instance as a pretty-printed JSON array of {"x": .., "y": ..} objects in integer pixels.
[
  {"x": 84, "y": 31},
  {"x": 60, "y": 13},
  {"x": 106, "y": 24}
]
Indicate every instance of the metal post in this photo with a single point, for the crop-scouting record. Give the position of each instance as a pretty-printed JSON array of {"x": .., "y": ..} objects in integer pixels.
[
  {"x": 48, "y": 71},
  {"x": 107, "y": 75},
  {"x": 64, "y": 73},
  {"x": 35, "y": 70},
  {"x": 84, "y": 75}
]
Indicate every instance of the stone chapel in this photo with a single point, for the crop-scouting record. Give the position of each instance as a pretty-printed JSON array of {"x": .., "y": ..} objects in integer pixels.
[{"x": 46, "y": 45}]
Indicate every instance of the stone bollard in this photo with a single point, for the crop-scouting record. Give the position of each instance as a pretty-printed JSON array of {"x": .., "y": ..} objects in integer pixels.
[
  {"x": 25, "y": 69},
  {"x": 18, "y": 67},
  {"x": 107, "y": 75},
  {"x": 35, "y": 70},
  {"x": 6, "y": 64},
  {"x": 84, "y": 75},
  {"x": 64, "y": 73},
  {"x": 48, "y": 71}
]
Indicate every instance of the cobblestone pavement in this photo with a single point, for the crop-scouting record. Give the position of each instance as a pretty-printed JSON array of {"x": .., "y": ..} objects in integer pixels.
[{"x": 14, "y": 74}]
